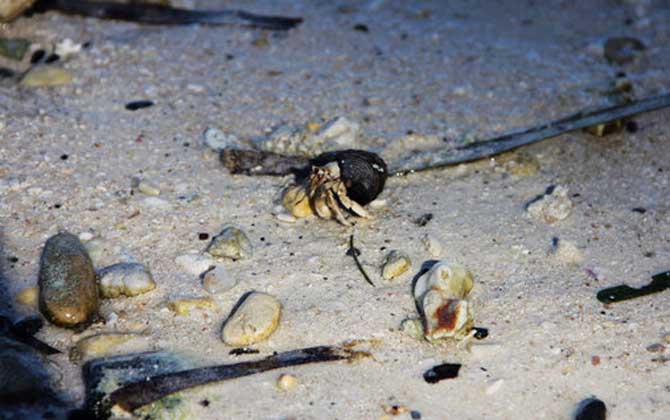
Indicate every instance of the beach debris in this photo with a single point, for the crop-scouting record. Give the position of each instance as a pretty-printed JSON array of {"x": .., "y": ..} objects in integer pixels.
[
  {"x": 67, "y": 48},
  {"x": 10, "y": 9},
  {"x": 481, "y": 333},
  {"x": 28, "y": 296},
  {"x": 253, "y": 320},
  {"x": 659, "y": 282},
  {"x": 552, "y": 206},
  {"x": 100, "y": 345},
  {"x": 257, "y": 162},
  {"x": 622, "y": 50},
  {"x": 218, "y": 280},
  {"x": 150, "y": 387},
  {"x": 440, "y": 372},
  {"x": 287, "y": 382},
  {"x": 413, "y": 327},
  {"x": 310, "y": 139},
  {"x": 68, "y": 291},
  {"x": 195, "y": 263},
  {"x": 656, "y": 348},
  {"x": 156, "y": 14},
  {"x": 423, "y": 220},
  {"x": 565, "y": 252},
  {"x": 591, "y": 409},
  {"x": 243, "y": 350},
  {"x": 135, "y": 105},
  {"x": 145, "y": 187},
  {"x": 605, "y": 129},
  {"x": 355, "y": 253},
  {"x": 125, "y": 279},
  {"x": 520, "y": 164},
  {"x": 440, "y": 295},
  {"x": 23, "y": 331},
  {"x": 184, "y": 306},
  {"x": 432, "y": 245},
  {"x": 14, "y": 48},
  {"x": 41, "y": 76},
  {"x": 231, "y": 243},
  {"x": 217, "y": 140},
  {"x": 395, "y": 264}
]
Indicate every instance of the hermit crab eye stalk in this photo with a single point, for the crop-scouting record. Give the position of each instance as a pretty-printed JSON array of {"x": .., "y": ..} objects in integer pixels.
[{"x": 342, "y": 180}]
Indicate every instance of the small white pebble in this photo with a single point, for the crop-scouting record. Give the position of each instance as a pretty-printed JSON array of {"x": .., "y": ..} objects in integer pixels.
[
  {"x": 285, "y": 217},
  {"x": 85, "y": 236},
  {"x": 195, "y": 264},
  {"x": 432, "y": 245},
  {"x": 377, "y": 204},
  {"x": 148, "y": 188}
]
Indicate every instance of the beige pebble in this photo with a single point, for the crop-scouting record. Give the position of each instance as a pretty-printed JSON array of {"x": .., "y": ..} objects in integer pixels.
[
  {"x": 28, "y": 296},
  {"x": 148, "y": 188},
  {"x": 100, "y": 345},
  {"x": 432, "y": 245},
  {"x": 231, "y": 243},
  {"x": 552, "y": 207},
  {"x": 255, "y": 319},
  {"x": 395, "y": 264},
  {"x": 185, "y": 306},
  {"x": 127, "y": 279},
  {"x": 287, "y": 382},
  {"x": 46, "y": 76}
]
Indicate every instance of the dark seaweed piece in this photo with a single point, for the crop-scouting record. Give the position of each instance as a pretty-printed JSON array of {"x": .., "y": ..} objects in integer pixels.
[
  {"x": 135, "y": 395},
  {"x": 659, "y": 282},
  {"x": 135, "y": 105},
  {"x": 253, "y": 162},
  {"x": 363, "y": 173},
  {"x": 355, "y": 252},
  {"x": 361, "y": 27},
  {"x": 481, "y": 333},
  {"x": 591, "y": 409},
  {"x": 243, "y": 350},
  {"x": 6, "y": 73},
  {"x": 640, "y": 210},
  {"x": 423, "y": 219},
  {"x": 443, "y": 371},
  {"x": 37, "y": 56},
  {"x": 156, "y": 14}
]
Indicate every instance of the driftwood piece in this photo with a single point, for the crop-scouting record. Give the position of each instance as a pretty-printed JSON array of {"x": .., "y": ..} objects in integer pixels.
[{"x": 135, "y": 395}]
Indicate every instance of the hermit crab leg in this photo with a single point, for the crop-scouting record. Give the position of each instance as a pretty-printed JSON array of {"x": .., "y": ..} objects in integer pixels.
[
  {"x": 320, "y": 204},
  {"x": 335, "y": 207},
  {"x": 350, "y": 204}
]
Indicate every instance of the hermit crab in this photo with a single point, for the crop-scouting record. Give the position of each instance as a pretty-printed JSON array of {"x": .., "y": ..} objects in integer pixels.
[{"x": 337, "y": 183}]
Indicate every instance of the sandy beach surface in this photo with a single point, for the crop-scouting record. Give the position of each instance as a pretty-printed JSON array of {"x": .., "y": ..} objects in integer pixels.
[{"x": 415, "y": 76}]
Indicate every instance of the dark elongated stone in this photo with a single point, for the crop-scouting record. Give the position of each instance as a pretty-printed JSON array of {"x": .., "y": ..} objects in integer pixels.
[
  {"x": 68, "y": 291},
  {"x": 443, "y": 371},
  {"x": 591, "y": 409}
]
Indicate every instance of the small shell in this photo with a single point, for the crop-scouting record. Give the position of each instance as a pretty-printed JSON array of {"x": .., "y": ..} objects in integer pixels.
[
  {"x": 296, "y": 201},
  {"x": 441, "y": 295},
  {"x": 395, "y": 264}
]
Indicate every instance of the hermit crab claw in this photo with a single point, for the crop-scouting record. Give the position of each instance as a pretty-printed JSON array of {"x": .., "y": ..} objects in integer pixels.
[{"x": 338, "y": 183}]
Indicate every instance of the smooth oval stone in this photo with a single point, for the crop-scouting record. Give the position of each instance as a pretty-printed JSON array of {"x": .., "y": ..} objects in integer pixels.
[
  {"x": 254, "y": 320},
  {"x": 68, "y": 293}
]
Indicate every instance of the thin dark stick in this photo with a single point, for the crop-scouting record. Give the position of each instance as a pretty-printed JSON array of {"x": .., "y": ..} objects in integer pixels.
[
  {"x": 439, "y": 159},
  {"x": 138, "y": 394},
  {"x": 354, "y": 253}
]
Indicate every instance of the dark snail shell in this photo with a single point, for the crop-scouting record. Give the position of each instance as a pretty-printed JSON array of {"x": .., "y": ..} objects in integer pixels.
[{"x": 363, "y": 173}]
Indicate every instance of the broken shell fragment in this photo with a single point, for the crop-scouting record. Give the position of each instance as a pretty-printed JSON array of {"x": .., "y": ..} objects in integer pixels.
[
  {"x": 395, "y": 264},
  {"x": 127, "y": 279},
  {"x": 296, "y": 201},
  {"x": 231, "y": 243},
  {"x": 441, "y": 296}
]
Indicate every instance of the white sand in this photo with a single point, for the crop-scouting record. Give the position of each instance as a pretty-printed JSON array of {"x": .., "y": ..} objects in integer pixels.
[{"x": 466, "y": 67}]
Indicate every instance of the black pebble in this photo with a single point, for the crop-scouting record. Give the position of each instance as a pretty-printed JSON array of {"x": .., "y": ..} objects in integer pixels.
[
  {"x": 203, "y": 236},
  {"x": 415, "y": 415},
  {"x": 37, "y": 56},
  {"x": 63, "y": 157},
  {"x": 481, "y": 333},
  {"x": 5, "y": 72},
  {"x": 135, "y": 105},
  {"x": 353, "y": 251},
  {"x": 631, "y": 127},
  {"x": 361, "y": 28},
  {"x": 424, "y": 219},
  {"x": 439, "y": 372},
  {"x": 52, "y": 58},
  {"x": 204, "y": 403},
  {"x": 591, "y": 409},
  {"x": 640, "y": 210}
]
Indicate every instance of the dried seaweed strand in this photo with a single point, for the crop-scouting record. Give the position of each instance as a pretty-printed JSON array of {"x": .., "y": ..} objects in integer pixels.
[
  {"x": 354, "y": 253},
  {"x": 659, "y": 282},
  {"x": 582, "y": 119},
  {"x": 135, "y": 395}
]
